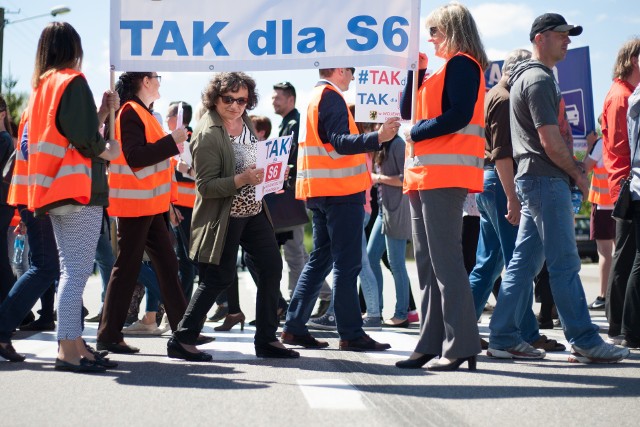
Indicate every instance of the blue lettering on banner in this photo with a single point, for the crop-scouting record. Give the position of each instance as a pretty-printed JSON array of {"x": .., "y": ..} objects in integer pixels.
[
  {"x": 263, "y": 42},
  {"x": 169, "y": 28},
  {"x": 136, "y": 28},
  {"x": 370, "y": 36},
  {"x": 395, "y": 39},
  {"x": 201, "y": 38},
  {"x": 273, "y": 149},
  {"x": 371, "y": 98},
  {"x": 388, "y": 33}
]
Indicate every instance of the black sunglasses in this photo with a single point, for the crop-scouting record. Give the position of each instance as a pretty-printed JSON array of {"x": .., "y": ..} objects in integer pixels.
[
  {"x": 353, "y": 70},
  {"x": 433, "y": 31},
  {"x": 230, "y": 100}
]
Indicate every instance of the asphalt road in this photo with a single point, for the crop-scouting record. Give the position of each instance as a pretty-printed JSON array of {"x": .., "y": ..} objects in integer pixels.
[{"x": 323, "y": 387}]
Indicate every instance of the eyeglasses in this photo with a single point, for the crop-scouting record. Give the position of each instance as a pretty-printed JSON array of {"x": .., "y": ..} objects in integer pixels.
[
  {"x": 156, "y": 77},
  {"x": 433, "y": 31},
  {"x": 230, "y": 100},
  {"x": 353, "y": 70}
]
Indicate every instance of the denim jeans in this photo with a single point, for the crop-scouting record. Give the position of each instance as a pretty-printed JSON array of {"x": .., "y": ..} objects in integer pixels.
[
  {"x": 44, "y": 271},
  {"x": 337, "y": 245},
  {"x": 7, "y": 279},
  {"x": 368, "y": 281},
  {"x": 546, "y": 231},
  {"x": 396, "y": 250},
  {"x": 148, "y": 278},
  {"x": 104, "y": 257},
  {"x": 495, "y": 249}
]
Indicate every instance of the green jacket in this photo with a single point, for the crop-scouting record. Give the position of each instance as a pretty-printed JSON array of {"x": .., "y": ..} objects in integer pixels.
[{"x": 214, "y": 163}]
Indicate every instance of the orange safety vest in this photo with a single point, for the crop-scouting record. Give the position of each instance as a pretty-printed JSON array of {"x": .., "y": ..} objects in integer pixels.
[
  {"x": 57, "y": 171},
  {"x": 135, "y": 192},
  {"x": 186, "y": 194},
  {"x": 321, "y": 170},
  {"x": 453, "y": 160},
  {"x": 19, "y": 187},
  {"x": 16, "y": 219},
  {"x": 599, "y": 190}
]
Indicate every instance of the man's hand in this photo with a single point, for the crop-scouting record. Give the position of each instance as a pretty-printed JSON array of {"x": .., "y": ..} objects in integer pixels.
[
  {"x": 389, "y": 129},
  {"x": 513, "y": 211}
]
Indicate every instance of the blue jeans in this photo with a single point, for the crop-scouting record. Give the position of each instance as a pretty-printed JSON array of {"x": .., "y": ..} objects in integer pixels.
[
  {"x": 396, "y": 250},
  {"x": 44, "y": 271},
  {"x": 148, "y": 278},
  {"x": 495, "y": 249},
  {"x": 368, "y": 281},
  {"x": 104, "y": 257},
  {"x": 546, "y": 231},
  {"x": 337, "y": 245}
]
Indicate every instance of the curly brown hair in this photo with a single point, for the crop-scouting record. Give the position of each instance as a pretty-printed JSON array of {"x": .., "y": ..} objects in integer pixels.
[{"x": 223, "y": 83}]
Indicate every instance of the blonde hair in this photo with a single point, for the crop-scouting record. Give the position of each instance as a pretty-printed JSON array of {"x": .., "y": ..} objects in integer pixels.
[
  {"x": 624, "y": 65},
  {"x": 460, "y": 32}
]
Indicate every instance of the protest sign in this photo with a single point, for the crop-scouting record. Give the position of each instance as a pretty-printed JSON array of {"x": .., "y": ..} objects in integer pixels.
[
  {"x": 272, "y": 155},
  {"x": 256, "y": 35},
  {"x": 378, "y": 93}
]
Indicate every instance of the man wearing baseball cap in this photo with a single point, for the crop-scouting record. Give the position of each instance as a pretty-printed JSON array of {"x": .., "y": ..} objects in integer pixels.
[{"x": 546, "y": 172}]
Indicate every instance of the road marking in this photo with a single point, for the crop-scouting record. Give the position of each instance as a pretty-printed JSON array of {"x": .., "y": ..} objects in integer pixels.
[{"x": 334, "y": 394}]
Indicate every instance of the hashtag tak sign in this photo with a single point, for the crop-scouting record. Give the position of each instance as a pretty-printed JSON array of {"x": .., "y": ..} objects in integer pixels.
[{"x": 378, "y": 92}]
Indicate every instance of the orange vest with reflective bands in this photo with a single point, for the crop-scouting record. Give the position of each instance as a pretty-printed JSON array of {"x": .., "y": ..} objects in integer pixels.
[
  {"x": 453, "y": 160},
  {"x": 599, "y": 190},
  {"x": 16, "y": 219},
  {"x": 19, "y": 187},
  {"x": 57, "y": 171},
  {"x": 186, "y": 194},
  {"x": 321, "y": 170},
  {"x": 141, "y": 191}
]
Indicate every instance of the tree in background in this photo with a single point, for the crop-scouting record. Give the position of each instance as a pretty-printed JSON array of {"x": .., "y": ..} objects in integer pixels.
[{"x": 16, "y": 101}]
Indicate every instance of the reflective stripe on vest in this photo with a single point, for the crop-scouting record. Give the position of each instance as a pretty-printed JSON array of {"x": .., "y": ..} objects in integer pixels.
[
  {"x": 453, "y": 160},
  {"x": 599, "y": 189},
  {"x": 321, "y": 170},
  {"x": 135, "y": 192},
  {"x": 186, "y": 194},
  {"x": 18, "y": 189},
  {"x": 56, "y": 170}
]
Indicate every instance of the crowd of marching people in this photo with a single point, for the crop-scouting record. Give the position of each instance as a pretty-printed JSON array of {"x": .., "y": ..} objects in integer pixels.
[{"x": 495, "y": 165}]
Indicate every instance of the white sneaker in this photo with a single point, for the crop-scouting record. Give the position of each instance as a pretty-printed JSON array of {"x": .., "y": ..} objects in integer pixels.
[
  {"x": 602, "y": 353},
  {"x": 617, "y": 340},
  {"x": 164, "y": 325},
  {"x": 139, "y": 328},
  {"x": 524, "y": 350}
]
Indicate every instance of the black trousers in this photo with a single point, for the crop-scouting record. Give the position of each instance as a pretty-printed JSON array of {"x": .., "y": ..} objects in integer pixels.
[
  {"x": 256, "y": 236},
  {"x": 623, "y": 261},
  {"x": 631, "y": 309}
]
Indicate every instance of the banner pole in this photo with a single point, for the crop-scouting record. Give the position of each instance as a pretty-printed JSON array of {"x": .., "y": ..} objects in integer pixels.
[
  {"x": 112, "y": 112},
  {"x": 414, "y": 106}
]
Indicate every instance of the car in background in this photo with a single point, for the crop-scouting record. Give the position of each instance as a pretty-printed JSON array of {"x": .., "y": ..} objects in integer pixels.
[{"x": 586, "y": 247}]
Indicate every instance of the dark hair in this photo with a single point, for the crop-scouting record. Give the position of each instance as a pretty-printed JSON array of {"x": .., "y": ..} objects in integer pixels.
[
  {"x": 59, "y": 47},
  {"x": 223, "y": 83},
  {"x": 129, "y": 84},
  {"x": 7, "y": 117},
  {"x": 286, "y": 88},
  {"x": 261, "y": 123},
  {"x": 187, "y": 111}
]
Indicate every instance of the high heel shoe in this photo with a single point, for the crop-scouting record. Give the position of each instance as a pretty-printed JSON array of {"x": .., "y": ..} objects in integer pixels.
[
  {"x": 270, "y": 351},
  {"x": 454, "y": 365},
  {"x": 415, "y": 363},
  {"x": 176, "y": 351},
  {"x": 230, "y": 321}
]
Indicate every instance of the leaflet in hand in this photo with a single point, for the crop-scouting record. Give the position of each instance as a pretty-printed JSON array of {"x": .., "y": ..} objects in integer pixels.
[{"x": 273, "y": 156}]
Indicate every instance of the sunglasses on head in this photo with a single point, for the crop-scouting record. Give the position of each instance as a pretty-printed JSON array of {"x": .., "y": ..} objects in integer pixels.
[{"x": 230, "y": 100}]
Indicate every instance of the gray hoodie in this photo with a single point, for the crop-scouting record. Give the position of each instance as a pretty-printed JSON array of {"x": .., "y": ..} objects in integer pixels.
[{"x": 633, "y": 127}]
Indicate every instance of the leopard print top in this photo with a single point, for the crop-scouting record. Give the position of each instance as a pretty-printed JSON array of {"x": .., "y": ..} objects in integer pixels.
[{"x": 244, "y": 148}]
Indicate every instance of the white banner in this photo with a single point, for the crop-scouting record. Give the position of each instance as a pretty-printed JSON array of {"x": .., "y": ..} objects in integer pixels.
[
  {"x": 272, "y": 155},
  {"x": 256, "y": 35}
]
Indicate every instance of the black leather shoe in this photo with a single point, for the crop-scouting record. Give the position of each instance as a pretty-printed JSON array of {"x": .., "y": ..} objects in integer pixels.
[
  {"x": 415, "y": 363},
  {"x": 114, "y": 347},
  {"x": 269, "y": 351},
  {"x": 176, "y": 351},
  {"x": 204, "y": 339},
  {"x": 96, "y": 353},
  {"x": 11, "y": 354},
  {"x": 86, "y": 366},
  {"x": 106, "y": 362},
  {"x": 39, "y": 325},
  {"x": 306, "y": 341},
  {"x": 454, "y": 364},
  {"x": 364, "y": 343}
]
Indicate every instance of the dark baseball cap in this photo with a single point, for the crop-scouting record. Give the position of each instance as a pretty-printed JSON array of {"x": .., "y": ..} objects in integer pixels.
[{"x": 553, "y": 22}]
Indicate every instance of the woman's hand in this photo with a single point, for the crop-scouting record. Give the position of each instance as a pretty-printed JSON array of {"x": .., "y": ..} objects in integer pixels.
[
  {"x": 423, "y": 61},
  {"x": 250, "y": 176},
  {"x": 179, "y": 136},
  {"x": 112, "y": 150},
  {"x": 110, "y": 99}
]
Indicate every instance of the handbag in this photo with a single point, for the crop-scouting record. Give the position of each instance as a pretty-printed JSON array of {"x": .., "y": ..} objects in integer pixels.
[{"x": 622, "y": 209}]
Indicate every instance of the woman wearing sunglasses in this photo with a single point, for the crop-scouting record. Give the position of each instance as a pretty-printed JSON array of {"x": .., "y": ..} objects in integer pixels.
[
  {"x": 226, "y": 215},
  {"x": 141, "y": 190}
]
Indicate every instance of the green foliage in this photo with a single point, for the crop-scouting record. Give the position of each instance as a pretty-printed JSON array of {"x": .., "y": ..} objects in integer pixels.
[{"x": 16, "y": 101}]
